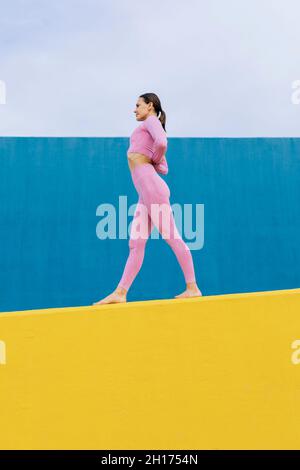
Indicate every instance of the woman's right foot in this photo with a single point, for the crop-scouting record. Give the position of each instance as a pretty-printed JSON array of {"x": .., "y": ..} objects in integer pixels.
[
  {"x": 113, "y": 298},
  {"x": 189, "y": 293}
]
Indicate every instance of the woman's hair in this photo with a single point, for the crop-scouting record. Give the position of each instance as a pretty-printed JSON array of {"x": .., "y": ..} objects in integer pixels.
[{"x": 153, "y": 98}]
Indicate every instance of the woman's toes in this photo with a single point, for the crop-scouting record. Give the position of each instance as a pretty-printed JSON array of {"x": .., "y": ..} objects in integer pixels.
[
  {"x": 99, "y": 302},
  {"x": 179, "y": 296},
  {"x": 103, "y": 301}
]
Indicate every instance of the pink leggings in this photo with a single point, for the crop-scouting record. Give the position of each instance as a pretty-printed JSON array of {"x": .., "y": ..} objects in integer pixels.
[{"x": 153, "y": 208}]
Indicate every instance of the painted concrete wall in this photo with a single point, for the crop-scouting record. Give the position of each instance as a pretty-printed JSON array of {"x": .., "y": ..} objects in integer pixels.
[{"x": 243, "y": 195}]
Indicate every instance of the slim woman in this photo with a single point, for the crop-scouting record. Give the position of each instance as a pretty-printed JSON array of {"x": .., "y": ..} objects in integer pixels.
[{"x": 146, "y": 159}]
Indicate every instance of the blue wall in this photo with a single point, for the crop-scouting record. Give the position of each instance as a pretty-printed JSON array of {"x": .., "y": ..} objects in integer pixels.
[{"x": 50, "y": 188}]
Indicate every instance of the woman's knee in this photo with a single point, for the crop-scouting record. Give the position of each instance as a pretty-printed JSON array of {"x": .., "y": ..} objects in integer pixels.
[
  {"x": 177, "y": 244},
  {"x": 137, "y": 243}
]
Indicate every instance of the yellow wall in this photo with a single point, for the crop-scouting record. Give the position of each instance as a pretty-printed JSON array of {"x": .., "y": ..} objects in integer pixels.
[{"x": 218, "y": 372}]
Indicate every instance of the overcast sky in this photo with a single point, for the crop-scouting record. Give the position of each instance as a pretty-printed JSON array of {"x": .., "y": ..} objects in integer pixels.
[{"x": 220, "y": 67}]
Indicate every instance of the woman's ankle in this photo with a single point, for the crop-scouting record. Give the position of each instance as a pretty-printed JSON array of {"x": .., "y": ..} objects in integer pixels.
[
  {"x": 121, "y": 291},
  {"x": 192, "y": 286}
]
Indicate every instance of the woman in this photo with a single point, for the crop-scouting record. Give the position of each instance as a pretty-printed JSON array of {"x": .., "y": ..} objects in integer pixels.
[{"x": 146, "y": 158}]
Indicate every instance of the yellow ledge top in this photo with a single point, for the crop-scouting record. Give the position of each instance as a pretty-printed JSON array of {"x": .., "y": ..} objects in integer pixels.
[{"x": 126, "y": 305}]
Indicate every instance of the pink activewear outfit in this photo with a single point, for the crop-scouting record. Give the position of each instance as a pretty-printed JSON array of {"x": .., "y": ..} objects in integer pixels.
[
  {"x": 150, "y": 139},
  {"x": 153, "y": 207}
]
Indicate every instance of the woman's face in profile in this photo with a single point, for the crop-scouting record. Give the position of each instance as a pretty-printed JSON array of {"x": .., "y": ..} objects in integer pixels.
[{"x": 142, "y": 109}]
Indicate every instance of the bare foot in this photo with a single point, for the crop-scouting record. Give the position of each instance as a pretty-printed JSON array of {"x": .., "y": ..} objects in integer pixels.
[
  {"x": 189, "y": 293},
  {"x": 113, "y": 298}
]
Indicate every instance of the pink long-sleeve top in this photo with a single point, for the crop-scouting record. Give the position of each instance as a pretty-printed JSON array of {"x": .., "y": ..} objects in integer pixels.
[{"x": 150, "y": 139}]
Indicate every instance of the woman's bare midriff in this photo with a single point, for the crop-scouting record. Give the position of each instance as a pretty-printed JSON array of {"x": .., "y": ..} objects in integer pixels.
[{"x": 137, "y": 159}]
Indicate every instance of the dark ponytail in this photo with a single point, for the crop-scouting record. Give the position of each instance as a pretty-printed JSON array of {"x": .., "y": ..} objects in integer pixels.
[
  {"x": 153, "y": 98},
  {"x": 162, "y": 118}
]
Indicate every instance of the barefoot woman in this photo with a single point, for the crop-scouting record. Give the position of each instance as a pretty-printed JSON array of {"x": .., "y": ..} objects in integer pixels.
[{"x": 146, "y": 158}]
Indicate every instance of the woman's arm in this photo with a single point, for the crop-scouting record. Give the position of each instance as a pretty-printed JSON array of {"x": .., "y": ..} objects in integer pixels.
[
  {"x": 156, "y": 130},
  {"x": 162, "y": 166}
]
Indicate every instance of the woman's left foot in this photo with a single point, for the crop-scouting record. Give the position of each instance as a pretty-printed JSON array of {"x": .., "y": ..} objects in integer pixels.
[
  {"x": 113, "y": 298},
  {"x": 189, "y": 293}
]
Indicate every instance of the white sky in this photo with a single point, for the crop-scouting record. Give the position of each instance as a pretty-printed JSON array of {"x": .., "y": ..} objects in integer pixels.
[{"x": 220, "y": 67}]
